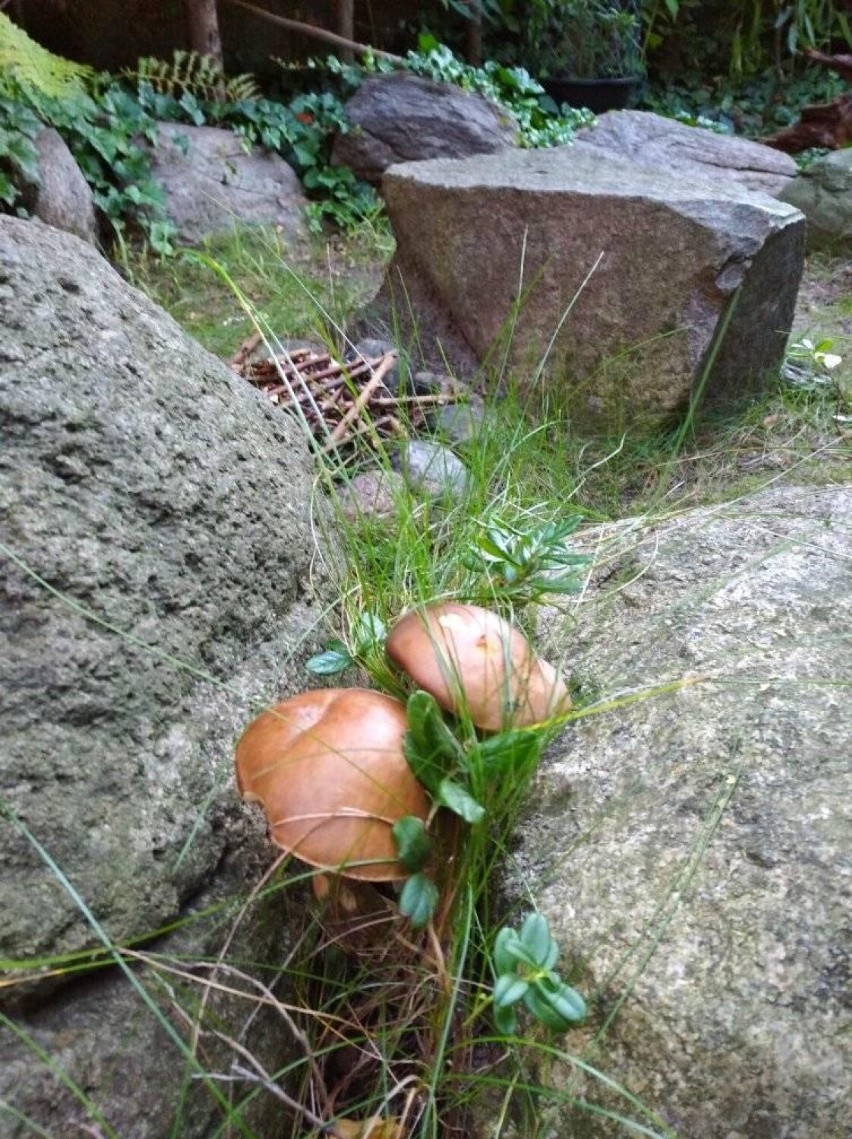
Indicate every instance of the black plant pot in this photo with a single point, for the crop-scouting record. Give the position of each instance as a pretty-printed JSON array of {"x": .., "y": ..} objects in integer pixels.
[{"x": 599, "y": 95}]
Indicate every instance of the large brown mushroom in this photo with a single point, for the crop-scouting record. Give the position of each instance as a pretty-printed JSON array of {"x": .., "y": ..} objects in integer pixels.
[
  {"x": 473, "y": 661},
  {"x": 329, "y": 769}
]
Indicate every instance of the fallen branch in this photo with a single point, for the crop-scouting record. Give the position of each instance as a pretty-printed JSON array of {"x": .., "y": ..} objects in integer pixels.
[{"x": 315, "y": 32}]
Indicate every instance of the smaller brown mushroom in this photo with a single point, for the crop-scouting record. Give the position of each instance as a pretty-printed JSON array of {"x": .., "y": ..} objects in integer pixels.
[
  {"x": 472, "y": 660},
  {"x": 329, "y": 769}
]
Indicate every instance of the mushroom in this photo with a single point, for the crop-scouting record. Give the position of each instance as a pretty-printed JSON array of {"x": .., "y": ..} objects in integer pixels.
[
  {"x": 329, "y": 769},
  {"x": 473, "y": 661}
]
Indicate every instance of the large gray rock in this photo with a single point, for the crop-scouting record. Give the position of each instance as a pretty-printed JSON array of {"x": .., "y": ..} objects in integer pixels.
[
  {"x": 667, "y": 146},
  {"x": 636, "y": 289},
  {"x": 405, "y": 118},
  {"x": 690, "y": 847},
  {"x": 823, "y": 193},
  {"x": 211, "y": 184},
  {"x": 157, "y": 539},
  {"x": 62, "y": 197}
]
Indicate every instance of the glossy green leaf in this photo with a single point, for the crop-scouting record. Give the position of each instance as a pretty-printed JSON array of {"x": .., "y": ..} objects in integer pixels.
[
  {"x": 412, "y": 842},
  {"x": 544, "y": 1011},
  {"x": 505, "y": 943},
  {"x": 430, "y": 747},
  {"x": 535, "y": 937},
  {"x": 506, "y": 754},
  {"x": 509, "y": 989},
  {"x": 460, "y": 801},
  {"x": 418, "y": 900},
  {"x": 566, "y": 1001}
]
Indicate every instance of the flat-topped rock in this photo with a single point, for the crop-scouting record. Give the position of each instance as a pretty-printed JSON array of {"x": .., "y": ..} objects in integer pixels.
[
  {"x": 671, "y": 147},
  {"x": 691, "y": 849},
  {"x": 636, "y": 289}
]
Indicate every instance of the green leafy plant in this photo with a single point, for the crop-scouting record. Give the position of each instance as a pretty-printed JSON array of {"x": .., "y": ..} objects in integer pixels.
[
  {"x": 463, "y": 775},
  {"x": 523, "y": 964},
  {"x": 582, "y": 38},
  {"x": 521, "y": 566},
  {"x": 540, "y": 123},
  {"x": 745, "y": 37},
  {"x": 188, "y": 72},
  {"x": 301, "y": 131},
  {"x": 19, "y": 127},
  {"x": 105, "y": 132},
  {"x": 752, "y": 105},
  {"x": 26, "y": 68},
  {"x": 367, "y": 637},
  {"x": 818, "y": 357},
  {"x": 101, "y": 123}
]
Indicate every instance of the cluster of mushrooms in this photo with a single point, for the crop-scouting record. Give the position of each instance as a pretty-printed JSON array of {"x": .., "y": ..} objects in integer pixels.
[{"x": 329, "y": 768}]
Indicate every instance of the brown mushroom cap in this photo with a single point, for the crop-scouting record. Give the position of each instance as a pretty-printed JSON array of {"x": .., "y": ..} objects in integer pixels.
[
  {"x": 329, "y": 769},
  {"x": 471, "y": 660}
]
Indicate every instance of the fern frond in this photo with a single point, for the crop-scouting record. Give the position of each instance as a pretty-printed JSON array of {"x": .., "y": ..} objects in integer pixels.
[
  {"x": 29, "y": 69},
  {"x": 198, "y": 75}
]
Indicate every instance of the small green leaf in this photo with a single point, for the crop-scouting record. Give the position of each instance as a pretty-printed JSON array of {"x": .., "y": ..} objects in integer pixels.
[
  {"x": 412, "y": 842},
  {"x": 430, "y": 747},
  {"x": 505, "y": 943},
  {"x": 506, "y": 754},
  {"x": 335, "y": 659},
  {"x": 418, "y": 900},
  {"x": 368, "y": 631},
  {"x": 544, "y": 1011},
  {"x": 506, "y": 1020},
  {"x": 509, "y": 989},
  {"x": 460, "y": 802},
  {"x": 565, "y": 1001},
  {"x": 535, "y": 937},
  {"x": 426, "y": 720}
]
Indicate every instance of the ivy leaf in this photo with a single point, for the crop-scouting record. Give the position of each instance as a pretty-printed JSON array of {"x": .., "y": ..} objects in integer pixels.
[
  {"x": 412, "y": 842},
  {"x": 460, "y": 801},
  {"x": 418, "y": 900}
]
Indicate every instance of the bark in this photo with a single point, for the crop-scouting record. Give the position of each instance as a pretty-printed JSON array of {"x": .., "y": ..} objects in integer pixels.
[
  {"x": 346, "y": 26},
  {"x": 473, "y": 34},
  {"x": 202, "y": 26}
]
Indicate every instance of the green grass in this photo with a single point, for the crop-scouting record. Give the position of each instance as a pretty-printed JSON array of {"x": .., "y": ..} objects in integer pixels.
[
  {"x": 403, "y": 1029},
  {"x": 300, "y": 290}
]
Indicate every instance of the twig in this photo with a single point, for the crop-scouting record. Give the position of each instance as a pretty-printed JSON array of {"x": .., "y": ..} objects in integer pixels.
[
  {"x": 245, "y": 350},
  {"x": 362, "y": 400},
  {"x": 424, "y": 400},
  {"x": 263, "y": 1078}
]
